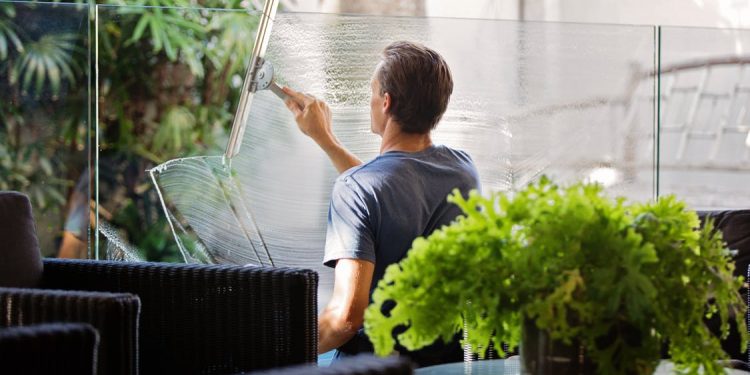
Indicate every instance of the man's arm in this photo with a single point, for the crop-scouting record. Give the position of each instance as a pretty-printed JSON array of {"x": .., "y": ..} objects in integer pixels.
[
  {"x": 314, "y": 119},
  {"x": 345, "y": 313}
]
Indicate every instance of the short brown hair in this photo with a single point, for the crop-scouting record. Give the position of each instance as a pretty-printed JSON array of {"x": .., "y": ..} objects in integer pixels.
[{"x": 419, "y": 83}]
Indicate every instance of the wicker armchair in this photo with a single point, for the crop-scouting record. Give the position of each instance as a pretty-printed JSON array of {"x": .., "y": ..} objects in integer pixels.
[
  {"x": 158, "y": 318},
  {"x": 200, "y": 319},
  {"x": 49, "y": 349},
  {"x": 114, "y": 315}
]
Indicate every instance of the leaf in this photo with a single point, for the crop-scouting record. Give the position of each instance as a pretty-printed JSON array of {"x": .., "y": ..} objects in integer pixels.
[
  {"x": 140, "y": 27},
  {"x": 3, "y": 46},
  {"x": 168, "y": 49},
  {"x": 155, "y": 34},
  {"x": 30, "y": 68},
  {"x": 53, "y": 72},
  {"x": 46, "y": 166},
  {"x": 7, "y": 34}
]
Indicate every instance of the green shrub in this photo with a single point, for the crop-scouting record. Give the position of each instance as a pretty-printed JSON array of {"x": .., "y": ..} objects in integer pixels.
[{"x": 620, "y": 278}]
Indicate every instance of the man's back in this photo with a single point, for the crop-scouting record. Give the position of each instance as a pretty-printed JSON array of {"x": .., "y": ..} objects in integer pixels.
[
  {"x": 392, "y": 200},
  {"x": 378, "y": 209}
]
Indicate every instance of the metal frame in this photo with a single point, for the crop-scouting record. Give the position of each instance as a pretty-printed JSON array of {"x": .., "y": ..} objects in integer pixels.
[{"x": 249, "y": 86}]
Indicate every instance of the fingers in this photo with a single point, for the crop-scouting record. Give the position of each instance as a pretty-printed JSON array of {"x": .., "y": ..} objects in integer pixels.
[
  {"x": 289, "y": 91},
  {"x": 293, "y": 106},
  {"x": 299, "y": 97},
  {"x": 300, "y": 104}
]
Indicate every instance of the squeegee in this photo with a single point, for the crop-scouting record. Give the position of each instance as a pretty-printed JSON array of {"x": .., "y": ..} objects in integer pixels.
[{"x": 258, "y": 76}]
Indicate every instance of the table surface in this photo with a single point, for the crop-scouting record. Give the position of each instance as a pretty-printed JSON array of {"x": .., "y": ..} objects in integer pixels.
[{"x": 512, "y": 366}]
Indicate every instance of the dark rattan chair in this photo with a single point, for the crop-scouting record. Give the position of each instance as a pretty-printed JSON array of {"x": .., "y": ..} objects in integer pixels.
[
  {"x": 201, "y": 319},
  {"x": 158, "y": 318},
  {"x": 49, "y": 349},
  {"x": 114, "y": 315},
  {"x": 363, "y": 364}
]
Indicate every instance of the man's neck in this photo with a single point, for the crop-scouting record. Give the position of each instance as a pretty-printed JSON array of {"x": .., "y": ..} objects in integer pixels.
[{"x": 396, "y": 140}]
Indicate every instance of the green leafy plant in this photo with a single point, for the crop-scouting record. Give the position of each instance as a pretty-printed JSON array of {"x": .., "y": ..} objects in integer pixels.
[{"x": 579, "y": 265}]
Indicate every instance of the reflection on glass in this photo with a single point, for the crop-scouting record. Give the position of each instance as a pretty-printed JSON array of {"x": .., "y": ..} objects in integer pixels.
[
  {"x": 704, "y": 130},
  {"x": 167, "y": 80},
  {"x": 44, "y": 130},
  {"x": 571, "y": 101}
]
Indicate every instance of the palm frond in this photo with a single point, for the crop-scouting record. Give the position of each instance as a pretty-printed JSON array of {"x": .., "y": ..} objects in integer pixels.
[
  {"x": 8, "y": 37},
  {"x": 176, "y": 32},
  {"x": 48, "y": 60}
]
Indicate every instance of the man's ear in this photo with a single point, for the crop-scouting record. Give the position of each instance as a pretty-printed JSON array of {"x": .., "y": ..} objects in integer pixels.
[{"x": 386, "y": 102}]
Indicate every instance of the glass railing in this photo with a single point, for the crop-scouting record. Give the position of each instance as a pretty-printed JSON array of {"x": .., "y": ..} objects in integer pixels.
[
  {"x": 566, "y": 100},
  {"x": 45, "y": 128},
  {"x": 168, "y": 81},
  {"x": 571, "y": 101},
  {"x": 704, "y": 101}
]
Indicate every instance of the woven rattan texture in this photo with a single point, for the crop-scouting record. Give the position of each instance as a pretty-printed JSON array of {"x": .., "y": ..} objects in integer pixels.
[
  {"x": 114, "y": 315},
  {"x": 58, "y": 348},
  {"x": 201, "y": 319}
]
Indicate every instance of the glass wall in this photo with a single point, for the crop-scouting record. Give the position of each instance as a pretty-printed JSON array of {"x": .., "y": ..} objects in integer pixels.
[
  {"x": 44, "y": 119},
  {"x": 168, "y": 82},
  {"x": 565, "y": 100},
  {"x": 705, "y": 129},
  {"x": 572, "y": 101}
]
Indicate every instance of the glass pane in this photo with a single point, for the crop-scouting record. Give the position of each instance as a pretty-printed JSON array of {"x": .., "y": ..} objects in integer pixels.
[
  {"x": 44, "y": 112},
  {"x": 168, "y": 83},
  {"x": 570, "y": 101},
  {"x": 705, "y": 134}
]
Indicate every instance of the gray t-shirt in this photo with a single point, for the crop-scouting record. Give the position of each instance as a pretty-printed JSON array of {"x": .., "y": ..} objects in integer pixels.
[{"x": 377, "y": 209}]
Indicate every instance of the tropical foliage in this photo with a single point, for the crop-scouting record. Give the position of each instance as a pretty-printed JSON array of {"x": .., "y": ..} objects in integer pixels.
[
  {"x": 620, "y": 278},
  {"x": 38, "y": 67},
  {"x": 169, "y": 75}
]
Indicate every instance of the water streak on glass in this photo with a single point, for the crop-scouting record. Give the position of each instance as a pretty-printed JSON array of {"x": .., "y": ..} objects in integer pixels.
[
  {"x": 115, "y": 247},
  {"x": 167, "y": 85},
  {"x": 570, "y": 101}
]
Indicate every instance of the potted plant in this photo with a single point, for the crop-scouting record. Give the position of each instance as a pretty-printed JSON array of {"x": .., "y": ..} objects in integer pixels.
[{"x": 579, "y": 274}]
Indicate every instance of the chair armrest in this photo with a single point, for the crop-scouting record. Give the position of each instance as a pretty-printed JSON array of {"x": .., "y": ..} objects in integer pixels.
[
  {"x": 208, "y": 318},
  {"x": 114, "y": 315},
  {"x": 58, "y": 348}
]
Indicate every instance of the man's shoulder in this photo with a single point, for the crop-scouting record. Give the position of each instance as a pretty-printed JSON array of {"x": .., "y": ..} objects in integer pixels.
[
  {"x": 357, "y": 180},
  {"x": 392, "y": 164},
  {"x": 458, "y": 154},
  {"x": 397, "y": 166},
  {"x": 364, "y": 170}
]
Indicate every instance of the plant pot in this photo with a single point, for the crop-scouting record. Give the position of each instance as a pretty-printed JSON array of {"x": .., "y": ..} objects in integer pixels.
[{"x": 542, "y": 355}]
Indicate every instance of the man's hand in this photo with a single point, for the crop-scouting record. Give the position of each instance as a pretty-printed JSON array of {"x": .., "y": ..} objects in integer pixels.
[{"x": 314, "y": 118}]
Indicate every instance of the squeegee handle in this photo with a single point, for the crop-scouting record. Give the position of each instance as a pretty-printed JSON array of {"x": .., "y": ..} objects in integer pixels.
[{"x": 277, "y": 90}]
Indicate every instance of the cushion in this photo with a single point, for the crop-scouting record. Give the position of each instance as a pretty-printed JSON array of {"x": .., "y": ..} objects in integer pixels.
[{"x": 20, "y": 260}]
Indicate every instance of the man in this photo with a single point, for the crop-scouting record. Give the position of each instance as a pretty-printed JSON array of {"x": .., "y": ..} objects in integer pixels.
[{"x": 378, "y": 208}]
